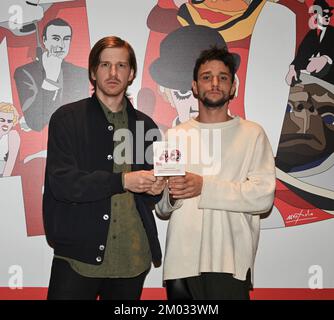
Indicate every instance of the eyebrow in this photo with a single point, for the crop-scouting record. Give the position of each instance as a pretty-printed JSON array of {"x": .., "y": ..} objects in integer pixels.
[
  {"x": 57, "y": 35},
  {"x": 209, "y": 72},
  {"x": 117, "y": 61}
]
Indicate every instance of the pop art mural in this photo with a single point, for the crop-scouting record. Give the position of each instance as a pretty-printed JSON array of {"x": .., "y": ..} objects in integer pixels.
[
  {"x": 43, "y": 53},
  {"x": 192, "y": 26}
]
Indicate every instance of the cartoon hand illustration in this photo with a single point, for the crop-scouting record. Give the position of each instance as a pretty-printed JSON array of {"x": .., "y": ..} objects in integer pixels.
[
  {"x": 291, "y": 75},
  {"x": 52, "y": 61},
  {"x": 316, "y": 64}
]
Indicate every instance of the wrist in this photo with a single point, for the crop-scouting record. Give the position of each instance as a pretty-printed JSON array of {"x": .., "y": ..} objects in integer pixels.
[
  {"x": 124, "y": 181},
  {"x": 50, "y": 85}
]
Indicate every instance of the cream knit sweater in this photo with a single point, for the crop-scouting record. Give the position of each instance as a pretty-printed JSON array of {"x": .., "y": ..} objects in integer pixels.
[{"x": 218, "y": 231}]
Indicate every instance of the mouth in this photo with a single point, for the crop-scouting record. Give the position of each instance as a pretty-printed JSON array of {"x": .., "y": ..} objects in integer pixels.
[
  {"x": 215, "y": 92},
  {"x": 112, "y": 82},
  {"x": 214, "y": 95}
]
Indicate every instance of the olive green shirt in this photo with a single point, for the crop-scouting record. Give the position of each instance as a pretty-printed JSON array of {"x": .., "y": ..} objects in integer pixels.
[{"x": 127, "y": 251}]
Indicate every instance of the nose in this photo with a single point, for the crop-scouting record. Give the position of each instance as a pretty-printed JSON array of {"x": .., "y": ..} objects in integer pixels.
[
  {"x": 215, "y": 81},
  {"x": 113, "y": 70},
  {"x": 302, "y": 116},
  {"x": 62, "y": 44}
]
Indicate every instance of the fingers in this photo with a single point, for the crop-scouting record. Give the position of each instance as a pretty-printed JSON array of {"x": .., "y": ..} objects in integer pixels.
[
  {"x": 157, "y": 187},
  {"x": 143, "y": 181},
  {"x": 177, "y": 186},
  {"x": 182, "y": 194},
  {"x": 148, "y": 175},
  {"x": 51, "y": 52},
  {"x": 176, "y": 179},
  {"x": 184, "y": 187}
]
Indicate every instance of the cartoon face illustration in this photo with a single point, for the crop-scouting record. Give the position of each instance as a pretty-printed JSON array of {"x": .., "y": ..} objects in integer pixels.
[
  {"x": 183, "y": 101},
  {"x": 323, "y": 12},
  {"x": 8, "y": 117},
  {"x": 308, "y": 128},
  {"x": 6, "y": 122},
  {"x": 57, "y": 39}
]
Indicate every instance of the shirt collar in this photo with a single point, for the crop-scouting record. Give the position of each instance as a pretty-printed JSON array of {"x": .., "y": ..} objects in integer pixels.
[{"x": 107, "y": 111}]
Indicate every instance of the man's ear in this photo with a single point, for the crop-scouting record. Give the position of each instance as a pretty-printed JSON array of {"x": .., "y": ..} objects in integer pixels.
[
  {"x": 194, "y": 88},
  {"x": 92, "y": 74},
  {"x": 131, "y": 76},
  {"x": 233, "y": 90}
]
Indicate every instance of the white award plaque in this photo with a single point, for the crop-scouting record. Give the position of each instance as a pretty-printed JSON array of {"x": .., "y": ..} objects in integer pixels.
[{"x": 168, "y": 160}]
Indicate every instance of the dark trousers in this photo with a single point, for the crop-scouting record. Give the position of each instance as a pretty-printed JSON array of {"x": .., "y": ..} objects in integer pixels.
[
  {"x": 66, "y": 284},
  {"x": 209, "y": 286}
]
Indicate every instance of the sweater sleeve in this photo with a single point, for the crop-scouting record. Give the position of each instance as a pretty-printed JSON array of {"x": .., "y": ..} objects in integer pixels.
[
  {"x": 66, "y": 180},
  {"x": 164, "y": 208},
  {"x": 254, "y": 195}
]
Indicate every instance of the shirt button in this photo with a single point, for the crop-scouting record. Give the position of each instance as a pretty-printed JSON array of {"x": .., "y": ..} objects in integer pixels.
[
  {"x": 114, "y": 237},
  {"x": 114, "y": 220},
  {"x": 101, "y": 247},
  {"x": 110, "y": 128},
  {"x": 98, "y": 259},
  {"x": 106, "y": 217},
  {"x": 109, "y": 157}
]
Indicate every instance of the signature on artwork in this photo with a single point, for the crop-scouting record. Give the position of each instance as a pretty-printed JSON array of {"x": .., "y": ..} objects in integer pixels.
[{"x": 303, "y": 215}]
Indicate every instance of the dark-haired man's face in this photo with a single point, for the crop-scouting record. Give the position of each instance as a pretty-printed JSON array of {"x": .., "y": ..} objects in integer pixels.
[
  {"x": 308, "y": 128},
  {"x": 214, "y": 85},
  {"x": 58, "y": 40}
]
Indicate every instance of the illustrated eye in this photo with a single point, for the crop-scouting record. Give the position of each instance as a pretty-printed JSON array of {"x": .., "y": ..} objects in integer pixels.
[
  {"x": 328, "y": 118},
  {"x": 299, "y": 107},
  {"x": 9, "y": 121},
  {"x": 181, "y": 95},
  {"x": 289, "y": 108}
]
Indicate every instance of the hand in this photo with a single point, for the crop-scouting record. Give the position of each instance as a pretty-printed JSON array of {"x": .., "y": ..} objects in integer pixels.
[
  {"x": 316, "y": 64},
  {"x": 185, "y": 187},
  {"x": 139, "y": 181},
  {"x": 292, "y": 74},
  {"x": 158, "y": 186},
  {"x": 52, "y": 61}
]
